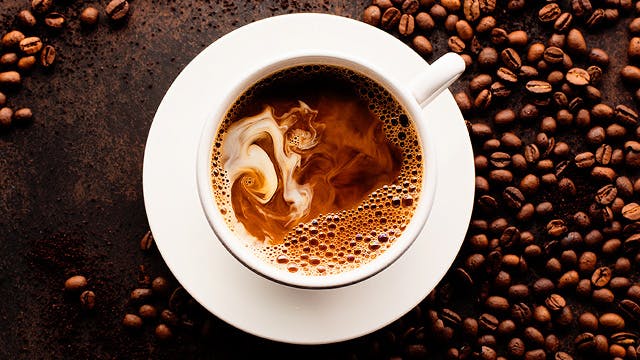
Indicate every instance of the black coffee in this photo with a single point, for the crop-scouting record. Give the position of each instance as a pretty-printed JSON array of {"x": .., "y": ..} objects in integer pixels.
[{"x": 317, "y": 168}]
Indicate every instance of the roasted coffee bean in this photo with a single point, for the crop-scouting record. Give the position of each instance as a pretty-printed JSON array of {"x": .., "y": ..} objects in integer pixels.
[
  {"x": 12, "y": 39},
  {"x": 486, "y": 24},
  {"x": 624, "y": 338},
  {"x": 510, "y": 141},
  {"x": 601, "y": 276},
  {"x": 438, "y": 12},
  {"x": 488, "y": 322},
  {"x": 556, "y": 227},
  {"x": 424, "y": 21},
  {"x": 26, "y": 19},
  {"x": 516, "y": 348},
  {"x": 578, "y": 77},
  {"x": 595, "y": 19},
  {"x": 602, "y": 296},
  {"x": 511, "y": 58},
  {"x": 411, "y": 6},
  {"x": 530, "y": 184},
  {"x": 132, "y": 321},
  {"x": 563, "y": 22},
  {"x": 480, "y": 82},
  {"x": 422, "y": 45},
  {"x": 630, "y": 74},
  {"x": 581, "y": 8},
  {"x": 585, "y": 342},
  {"x": 118, "y": 10},
  {"x": 55, "y": 20},
  {"x": 543, "y": 286},
  {"x": 497, "y": 303},
  {"x": 483, "y": 100},
  {"x": 549, "y": 12},
  {"x": 527, "y": 71},
  {"x": 90, "y": 16},
  {"x": 371, "y": 16},
  {"x": 553, "y": 55},
  {"x": 163, "y": 332},
  {"x": 631, "y": 211},
  {"x": 568, "y": 280},
  {"x": 41, "y": 6},
  {"x": 75, "y": 283},
  {"x": 504, "y": 117},
  {"x": 47, "y": 56},
  {"x": 507, "y": 75},
  {"x": 611, "y": 321},
  {"x": 626, "y": 116},
  {"x": 8, "y": 59},
  {"x": 567, "y": 187},
  {"x": 555, "y": 302},
  {"x": 633, "y": 51},
  {"x": 140, "y": 294},
  {"x": 147, "y": 311},
  {"x": 6, "y": 117},
  {"x": 147, "y": 241},
  {"x": 521, "y": 313},
  {"x": 26, "y": 63},
  {"x": 596, "y": 135},
  {"x": 23, "y": 115},
  {"x": 406, "y": 25},
  {"x": 539, "y": 87},
  {"x": 471, "y": 10},
  {"x": 88, "y": 300},
  {"x": 31, "y": 45},
  {"x": 488, "y": 57},
  {"x": 450, "y": 23},
  {"x": 390, "y": 17},
  {"x": 464, "y": 30},
  {"x": 518, "y": 38},
  {"x": 456, "y": 44},
  {"x": 630, "y": 308}
]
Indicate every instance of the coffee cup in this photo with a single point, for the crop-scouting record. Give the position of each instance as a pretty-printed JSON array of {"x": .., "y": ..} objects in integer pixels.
[{"x": 294, "y": 260}]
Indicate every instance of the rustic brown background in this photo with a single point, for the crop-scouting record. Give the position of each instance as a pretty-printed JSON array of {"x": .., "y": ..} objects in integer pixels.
[{"x": 70, "y": 183}]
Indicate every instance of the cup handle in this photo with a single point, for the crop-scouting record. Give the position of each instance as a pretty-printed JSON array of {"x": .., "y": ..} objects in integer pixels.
[{"x": 437, "y": 77}]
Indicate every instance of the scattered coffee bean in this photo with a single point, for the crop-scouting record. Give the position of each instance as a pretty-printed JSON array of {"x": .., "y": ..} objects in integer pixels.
[
  {"x": 88, "y": 299},
  {"x": 132, "y": 321},
  {"x": 75, "y": 283},
  {"x": 118, "y": 9}
]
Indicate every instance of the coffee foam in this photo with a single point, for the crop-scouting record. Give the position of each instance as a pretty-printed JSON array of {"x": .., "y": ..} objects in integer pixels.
[{"x": 260, "y": 159}]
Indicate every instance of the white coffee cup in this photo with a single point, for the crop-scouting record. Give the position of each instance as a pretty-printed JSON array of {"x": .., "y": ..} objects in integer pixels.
[{"x": 413, "y": 98}]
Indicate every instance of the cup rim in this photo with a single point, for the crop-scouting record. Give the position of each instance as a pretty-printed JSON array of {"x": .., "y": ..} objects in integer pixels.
[{"x": 239, "y": 248}]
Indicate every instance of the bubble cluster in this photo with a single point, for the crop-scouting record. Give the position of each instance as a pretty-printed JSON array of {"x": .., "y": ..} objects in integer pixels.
[{"x": 341, "y": 240}]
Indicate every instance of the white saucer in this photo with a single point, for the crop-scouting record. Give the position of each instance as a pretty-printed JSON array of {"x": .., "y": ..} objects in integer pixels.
[{"x": 214, "y": 277}]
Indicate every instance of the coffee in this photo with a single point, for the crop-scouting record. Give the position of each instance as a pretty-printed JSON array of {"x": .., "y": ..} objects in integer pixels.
[{"x": 317, "y": 168}]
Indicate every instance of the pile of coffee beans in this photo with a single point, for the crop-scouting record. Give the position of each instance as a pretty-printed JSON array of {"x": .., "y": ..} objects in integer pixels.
[
  {"x": 160, "y": 306},
  {"x": 549, "y": 267},
  {"x": 23, "y": 48}
]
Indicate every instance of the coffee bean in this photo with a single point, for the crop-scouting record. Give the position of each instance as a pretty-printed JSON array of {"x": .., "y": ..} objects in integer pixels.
[
  {"x": 471, "y": 10},
  {"x": 371, "y": 16},
  {"x": 438, "y": 12},
  {"x": 488, "y": 322},
  {"x": 529, "y": 184},
  {"x": 480, "y": 82},
  {"x": 483, "y": 100},
  {"x": 8, "y": 59},
  {"x": 633, "y": 51},
  {"x": 132, "y": 321},
  {"x": 26, "y": 19},
  {"x": 450, "y": 23},
  {"x": 6, "y": 117},
  {"x": 48, "y": 56},
  {"x": 406, "y": 25},
  {"x": 630, "y": 74},
  {"x": 140, "y": 295},
  {"x": 90, "y": 16},
  {"x": 464, "y": 101},
  {"x": 163, "y": 332},
  {"x": 578, "y": 77},
  {"x": 160, "y": 286},
  {"x": 511, "y": 140},
  {"x": 518, "y": 38},
  {"x": 601, "y": 276},
  {"x": 88, "y": 300},
  {"x": 424, "y": 21},
  {"x": 412, "y": 6},
  {"x": 55, "y": 20},
  {"x": 147, "y": 241},
  {"x": 596, "y": 135},
  {"x": 507, "y": 75},
  {"x": 456, "y": 44},
  {"x": 516, "y": 348},
  {"x": 118, "y": 10},
  {"x": 602, "y": 296},
  {"x": 521, "y": 313},
  {"x": 563, "y": 22},
  {"x": 31, "y": 45},
  {"x": 595, "y": 19},
  {"x": 511, "y": 58},
  {"x": 22, "y": 115},
  {"x": 486, "y": 24},
  {"x": 611, "y": 321},
  {"x": 147, "y": 311},
  {"x": 581, "y": 8},
  {"x": 75, "y": 283},
  {"x": 422, "y": 45},
  {"x": 568, "y": 280},
  {"x": 41, "y": 6},
  {"x": 385, "y": 4},
  {"x": 629, "y": 308},
  {"x": 538, "y": 87},
  {"x": 632, "y": 157},
  {"x": 626, "y": 116},
  {"x": 555, "y": 302},
  {"x": 497, "y": 303},
  {"x": 556, "y": 227},
  {"x": 26, "y": 63},
  {"x": 390, "y": 18},
  {"x": 553, "y": 55},
  {"x": 499, "y": 36},
  {"x": 631, "y": 211},
  {"x": 504, "y": 117},
  {"x": 606, "y": 194}
]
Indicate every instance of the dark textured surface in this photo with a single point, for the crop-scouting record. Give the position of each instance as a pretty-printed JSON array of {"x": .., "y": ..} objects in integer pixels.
[{"x": 70, "y": 183}]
